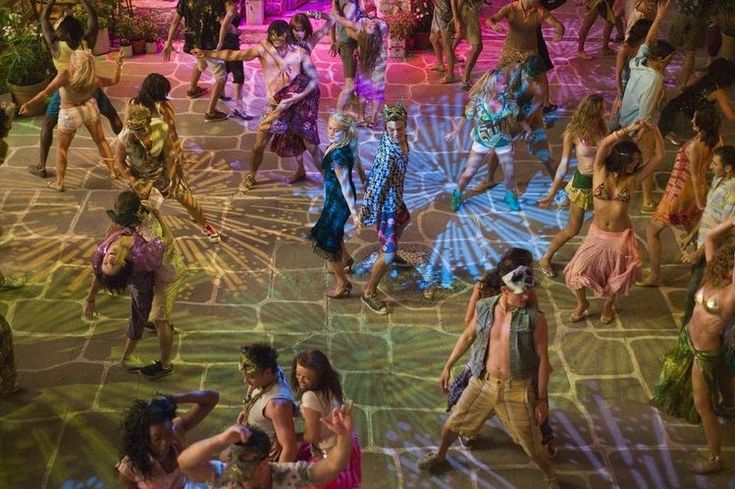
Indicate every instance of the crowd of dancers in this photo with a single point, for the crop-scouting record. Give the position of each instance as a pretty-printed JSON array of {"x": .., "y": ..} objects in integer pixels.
[{"x": 508, "y": 368}]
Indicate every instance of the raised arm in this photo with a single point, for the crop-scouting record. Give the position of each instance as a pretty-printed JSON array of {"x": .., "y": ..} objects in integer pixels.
[
  {"x": 108, "y": 82},
  {"x": 661, "y": 11},
  {"x": 195, "y": 460},
  {"x": 604, "y": 146},
  {"x": 231, "y": 55},
  {"x": 317, "y": 35},
  {"x": 470, "y": 311},
  {"x": 231, "y": 9},
  {"x": 326, "y": 469},
  {"x": 561, "y": 170},
  {"x": 621, "y": 59},
  {"x": 723, "y": 102},
  {"x": 90, "y": 32},
  {"x": 204, "y": 402},
  {"x": 345, "y": 22},
  {"x": 49, "y": 34}
]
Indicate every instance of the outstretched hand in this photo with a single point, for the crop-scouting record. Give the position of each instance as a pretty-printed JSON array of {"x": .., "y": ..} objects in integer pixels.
[
  {"x": 238, "y": 433},
  {"x": 545, "y": 202},
  {"x": 89, "y": 309},
  {"x": 341, "y": 423},
  {"x": 167, "y": 50}
]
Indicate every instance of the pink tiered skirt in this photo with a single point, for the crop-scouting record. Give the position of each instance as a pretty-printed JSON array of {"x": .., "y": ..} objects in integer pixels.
[
  {"x": 350, "y": 478},
  {"x": 608, "y": 263}
]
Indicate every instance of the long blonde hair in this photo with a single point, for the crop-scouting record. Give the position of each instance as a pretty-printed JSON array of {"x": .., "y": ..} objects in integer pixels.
[
  {"x": 81, "y": 69},
  {"x": 348, "y": 125},
  {"x": 588, "y": 121}
]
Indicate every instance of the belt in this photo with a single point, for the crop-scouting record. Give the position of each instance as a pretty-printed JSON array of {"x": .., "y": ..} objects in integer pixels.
[{"x": 488, "y": 377}]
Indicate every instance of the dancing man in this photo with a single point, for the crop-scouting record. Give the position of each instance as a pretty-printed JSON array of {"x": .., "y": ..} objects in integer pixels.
[
  {"x": 291, "y": 81},
  {"x": 383, "y": 203}
]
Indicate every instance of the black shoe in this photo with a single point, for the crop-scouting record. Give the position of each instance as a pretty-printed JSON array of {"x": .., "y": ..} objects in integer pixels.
[
  {"x": 156, "y": 370},
  {"x": 375, "y": 304},
  {"x": 400, "y": 262},
  {"x": 225, "y": 98}
]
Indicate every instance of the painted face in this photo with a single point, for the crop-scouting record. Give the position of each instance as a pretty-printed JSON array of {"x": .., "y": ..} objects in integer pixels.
[
  {"x": 335, "y": 132},
  {"x": 242, "y": 469},
  {"x": 278, "y": 40},
  {"x": 115, "y": 257},
  {"x": 306, "y": 377},
  {"x": 162, "y": 436},
  {"x": 396, "y": 131},
  {"x": 718, "y": 169}
]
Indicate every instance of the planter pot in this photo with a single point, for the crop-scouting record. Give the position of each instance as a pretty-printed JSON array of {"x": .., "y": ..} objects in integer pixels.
[
  {"x": 102, "y": 44},
  {"x": 421, "y": 41},
  {"x": 23, "y": 93},
  {"x": 727, "y": 49},
  {"x": 127, "y": 51},
  {"x": 396, "y": 48},
  {"x": 138, "y": 47},
  {"x": 151, "y": 47}
]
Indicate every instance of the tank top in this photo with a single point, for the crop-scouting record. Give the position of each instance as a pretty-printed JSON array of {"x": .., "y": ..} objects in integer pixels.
[
  {"x": 585, "y": 157},
  {"x": 258, "y": 399}
]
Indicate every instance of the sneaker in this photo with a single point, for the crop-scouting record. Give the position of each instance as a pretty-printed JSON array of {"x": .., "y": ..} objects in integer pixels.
[
  {"x": 197, "y": 92},
  {"x": 133, "y": 363},
  {"x": 150, "y": 327},
  {"x": 707, "y": 466},
  {"x": 216, "y": 116},
  {"x": 456, "y": 200},
  {"x": 431, "y": 461},
  {"x": 156, "y": 370},
  {"x": 241, "y": 114},
  {"x": 39, "y": 172},
  {"x": 247, "y": 183},
  {"x": 225, "y": 98},
  {"x": 375, "y": 304},
  {"x": 9, "y": 282},
  {"x": 512, "y": 201},
  {"x": 466, "y": 442},
  {"x": 212, "y": 235}
]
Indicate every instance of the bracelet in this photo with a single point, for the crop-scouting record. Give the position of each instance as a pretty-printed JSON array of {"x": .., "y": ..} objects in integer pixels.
[{"x": 90, "y": 300}]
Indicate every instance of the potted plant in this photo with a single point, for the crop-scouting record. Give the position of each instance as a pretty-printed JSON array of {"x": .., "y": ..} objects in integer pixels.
[
  {"x": 400, "y": 25},
  {"x": 105, "y": 12},
  {"x": 423, "y": 11},
  {"x": 723, "y": 11},
  {"x": 127, "y": 28},
  {"x": 149, "y": 31},
  {"x": 25, "y": 60}
]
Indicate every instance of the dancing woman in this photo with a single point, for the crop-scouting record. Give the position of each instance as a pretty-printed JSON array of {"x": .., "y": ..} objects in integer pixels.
[
  {"x": 686, "y": 192},
  {"x": 77, "y": 85},
  {"x": 608, "y": 260},
  {"x": 687, "y": 385},
  {"x": 586, "y": 128},
  {"x": 327, "y": 234},
  {"x": 320, "y": 391},
  {"x": 153, "y": 437},
  {"x": 491, "y": 108}
]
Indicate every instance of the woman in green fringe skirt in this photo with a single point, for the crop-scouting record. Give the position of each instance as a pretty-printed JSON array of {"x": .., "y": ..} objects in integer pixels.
[{"x": 687, "y": 385}]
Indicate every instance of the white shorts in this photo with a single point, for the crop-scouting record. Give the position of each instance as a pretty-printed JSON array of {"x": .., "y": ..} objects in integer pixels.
[
  {"x": 83, "y": 115},
  {"x": 216, "y": 65},
  {"x": 499, "y": 150}
]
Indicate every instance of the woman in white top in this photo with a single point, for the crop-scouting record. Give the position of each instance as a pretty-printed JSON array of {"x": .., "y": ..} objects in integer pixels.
[{"x": 320, "y": 391}]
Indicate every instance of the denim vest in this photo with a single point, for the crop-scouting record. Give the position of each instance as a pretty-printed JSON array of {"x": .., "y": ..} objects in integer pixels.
[{"x": 523, "y": 358}]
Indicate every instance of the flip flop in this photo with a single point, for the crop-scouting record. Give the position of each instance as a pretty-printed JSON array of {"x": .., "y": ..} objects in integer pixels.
[
  {"x": 34, "y": 170},
  {"x": 575, "y": 318},
  {"x": 548, "y": 271},
  {"x": 54, "y": 186},
  {"x": 607, "y": 319}
]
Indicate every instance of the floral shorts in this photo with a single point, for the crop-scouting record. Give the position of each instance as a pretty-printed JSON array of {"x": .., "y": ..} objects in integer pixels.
[{"x": 390, "y": 227}]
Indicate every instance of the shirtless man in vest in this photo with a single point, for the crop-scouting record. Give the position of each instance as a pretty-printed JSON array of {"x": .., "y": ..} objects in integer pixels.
[
  {"x": 511, "y": 347},
  {"x": 282, "y": 61}
]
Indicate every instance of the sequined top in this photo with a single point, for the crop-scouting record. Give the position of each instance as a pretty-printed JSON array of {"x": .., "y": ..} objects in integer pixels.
[
  {"x": 600, "y": 192},
  {"x": 709, "y": 304}
]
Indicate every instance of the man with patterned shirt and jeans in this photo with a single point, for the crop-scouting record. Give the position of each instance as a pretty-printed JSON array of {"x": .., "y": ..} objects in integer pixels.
[
  {"x": 383, "y": 203},
  {"x": 509, "y": 337},
  {"x": 202, "y": 24}
]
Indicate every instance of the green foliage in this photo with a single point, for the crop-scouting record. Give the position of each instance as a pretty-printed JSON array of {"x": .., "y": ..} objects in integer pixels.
[
  {"x": 400, "y": 23},
  {"x": 24, "y": 57},
  {"x": 105, "y": 11}
]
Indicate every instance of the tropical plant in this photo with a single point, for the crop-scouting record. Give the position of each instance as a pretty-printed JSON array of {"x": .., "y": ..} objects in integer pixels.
[
  {"x": 105, "y": 12},
  {"x": 128, "y": 28},
  {"x": 24, "y": 57},
  {"x": 146, "y": 25},
  {"x": 400, "y": 24}
]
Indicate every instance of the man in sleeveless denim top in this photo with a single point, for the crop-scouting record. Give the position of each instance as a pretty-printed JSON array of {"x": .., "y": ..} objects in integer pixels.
[{"x": 510, "y": 345}]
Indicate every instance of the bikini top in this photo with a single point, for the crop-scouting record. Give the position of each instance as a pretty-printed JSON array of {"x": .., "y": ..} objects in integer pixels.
[
  {"x": 600, "y": 192},
  {"x": 708, "y": 304}
]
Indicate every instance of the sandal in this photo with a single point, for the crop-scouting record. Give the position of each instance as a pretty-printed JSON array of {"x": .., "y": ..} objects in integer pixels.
[
  {"x": 431, "y": 461},
  {"x": 439, "y": 68},
  {"x": 212, "y": 235},
  {"x": 247, "y": 183},
  {"x": 648, "y": 208},
  {"x": 336, "y": 293},
  {"x": 39, "y": 172},
  {"x": 547, "y": 270},
  {"x": 708, "y": 466},
  {"x": 575, "y": 318},
  {"x": 447, "y": 79},
  {"x": 55, "y": 186},
  {"x": 605, "y": 319},
  {"x": 9, "y": 282},
  {"x": 466, "y": 86}
]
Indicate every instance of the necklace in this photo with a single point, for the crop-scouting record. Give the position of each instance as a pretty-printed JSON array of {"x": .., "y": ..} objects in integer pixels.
[{"x": 505, "y": 308}]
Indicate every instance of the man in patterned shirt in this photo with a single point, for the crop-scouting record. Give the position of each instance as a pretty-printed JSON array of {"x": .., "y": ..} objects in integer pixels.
[
  {"x": 248, "y": 465},
  {"x": 383, "y": 202},
  {"x": 719, "y": 208}
]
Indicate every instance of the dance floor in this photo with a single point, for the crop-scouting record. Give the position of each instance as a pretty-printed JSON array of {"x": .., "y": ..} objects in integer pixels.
[{"x": 263, "y": 283}]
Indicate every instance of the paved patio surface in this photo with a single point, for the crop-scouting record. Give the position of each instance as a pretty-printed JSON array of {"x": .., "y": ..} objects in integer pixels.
[{"x": 262, "y": 283}]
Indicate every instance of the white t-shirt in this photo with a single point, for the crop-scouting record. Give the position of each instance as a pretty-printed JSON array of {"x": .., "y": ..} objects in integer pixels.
[{"x": 323, "y": 404}]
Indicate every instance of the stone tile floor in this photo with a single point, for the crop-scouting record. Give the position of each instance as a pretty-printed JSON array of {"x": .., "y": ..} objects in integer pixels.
[{"x": 262, "y": 283}]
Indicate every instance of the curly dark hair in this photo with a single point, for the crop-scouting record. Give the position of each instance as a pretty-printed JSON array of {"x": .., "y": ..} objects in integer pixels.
[
  {"x": 727, "y": 155},
  {"x": 155, "y": 88},
  {"x": 707, "y": 120},
  {"x": 491, "y": 281},
  {"x": 262, "y": 355},
  {"x": 71, "y": 31},
  {"x": 722, "y": 72},
  {"x": 135, "y": 426},
  {"x": 718, "y": 272},
  {"x": 280, "y": 28},
  {"x": 328, "y": 379},
  {"x": 118, "y": 283},
  {"x": 620, "y": 155}
]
